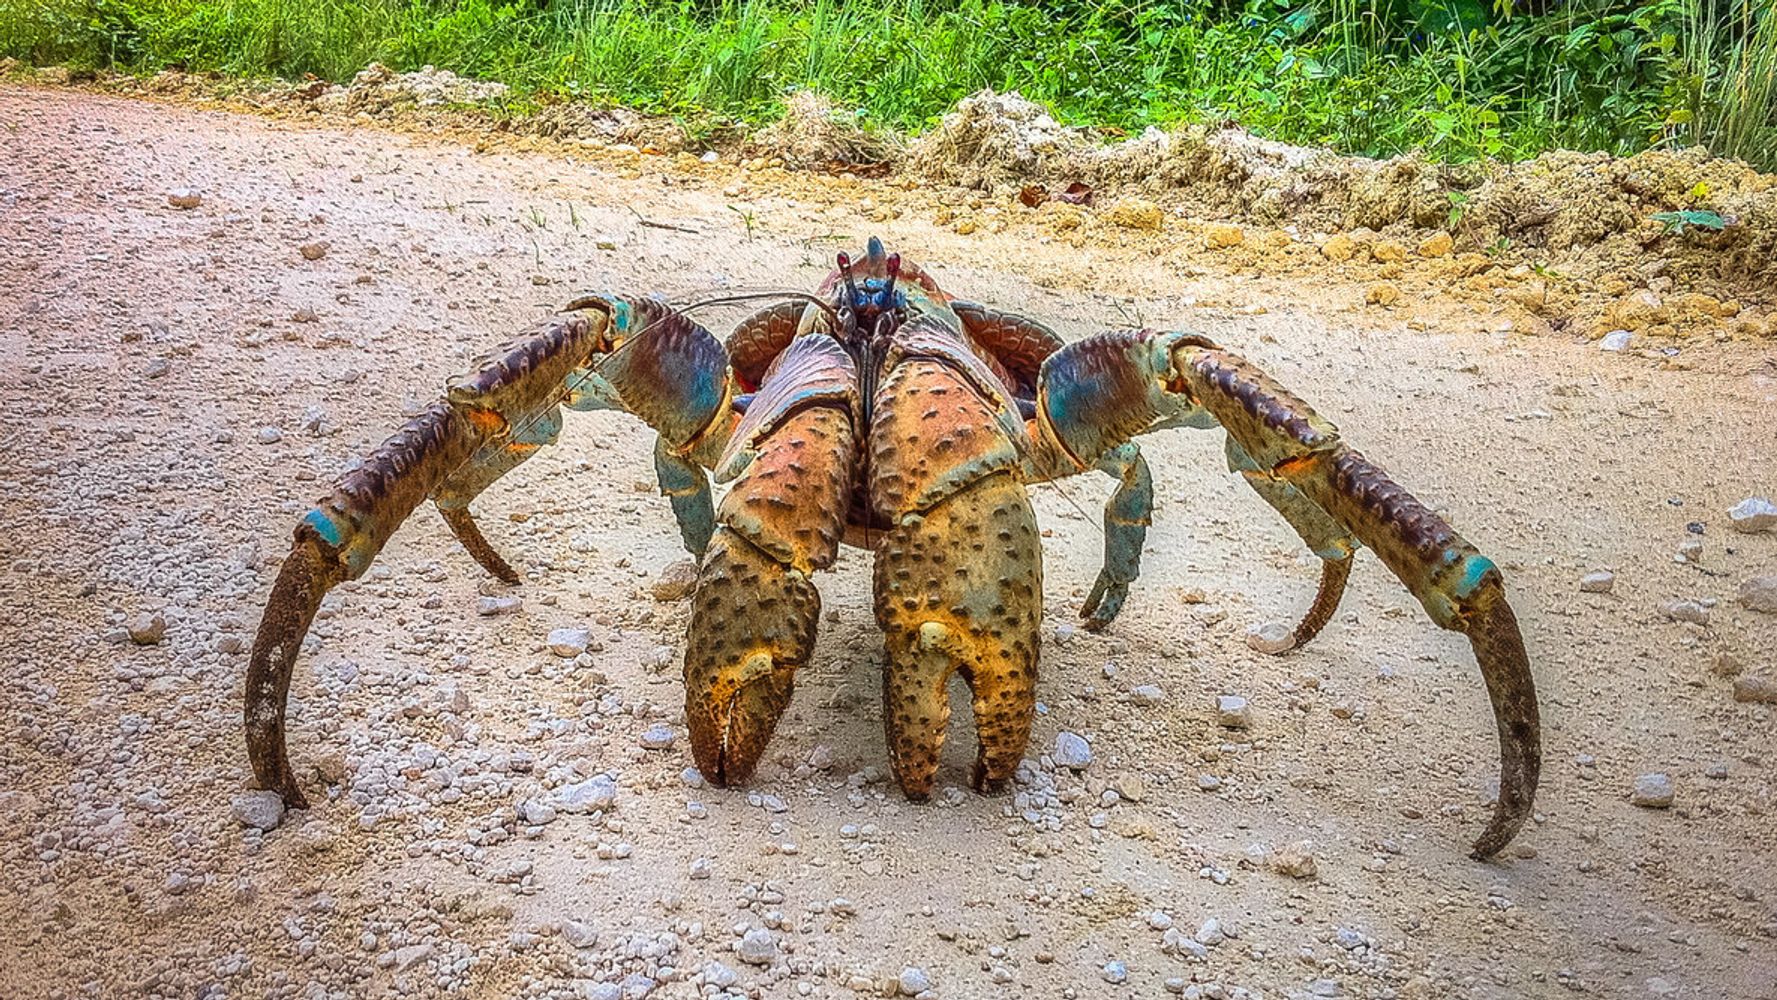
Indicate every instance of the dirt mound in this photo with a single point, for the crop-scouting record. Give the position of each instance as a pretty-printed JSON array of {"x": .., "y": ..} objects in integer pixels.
[
  {"x": 816, "y": 132},
  {"x": 1001, "y": 142},
  {"x": 606, "y": 125},
  {"x": 379, "y": 90}
]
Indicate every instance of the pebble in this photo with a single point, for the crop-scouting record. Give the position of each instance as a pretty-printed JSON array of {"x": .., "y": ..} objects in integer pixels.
[
  {"x": 489, "y": 606},
  {"x": 569, "y": 642},
  {"x": 184, "y": 197},
  {"x": 1072, "y": 751},
  {"x": 261, "y": 810},
  {"x": 1616, "y": 341},
  {"x": 269, "y": 435},
  {"x": 1271, "y": 637},
  {"x": 158, "y": 368},
  {"x": 579, "y": 934},
  {"x": 914, "y": 980},
  {"x": 315, "y": 250},
  {"x": 701, "y": 868},
  {"x": 676, "y": 581},
  {"x": 1382, "y": 293},
  {"x": 412, "y": 955},
  {"x": 147, "y": 629},
  {"x": 1652, "y": 791},
  {"x": 1295, "y": 860},
  {"x": 1753, "y": 688},
  {"x": 1209, "y": 933},
  {"x": 1116, "y": 973},
  {"x": 1222, "y": 235},
  {"x": 1686, "y": 611},
  {"x": 1599, "y": 582},
  {"x": 659, "y": 736},
  {"x": 1232, "y": 712},
  {"x": 1753, "y": 514},
  {"x": 596, "y": 792},
  {"x": 1689, "y": 551},
  {"x": 720, "y": 976},
  {"x": 757, "y": 947},
  {"x": 534, "y": 812},
  {"x": 1438, "y": 244},
  {"x": 1759, "y": 594},
  {"x": 1208, "y": 782},
  {"x": 1147, "y": 694}
]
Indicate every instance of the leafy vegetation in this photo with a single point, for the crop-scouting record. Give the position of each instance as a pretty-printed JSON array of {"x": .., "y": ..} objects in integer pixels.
[{"x": 1455, "y": 78}]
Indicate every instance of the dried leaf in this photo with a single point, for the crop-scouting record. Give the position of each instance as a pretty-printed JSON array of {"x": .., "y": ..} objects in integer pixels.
[
  {"x": 1076, "y": 194},
  {"x": 1033, "y": 195}
]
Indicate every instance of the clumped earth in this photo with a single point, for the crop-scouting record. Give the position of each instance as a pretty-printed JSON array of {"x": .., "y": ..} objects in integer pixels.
[{"x": 212, "y": 313}]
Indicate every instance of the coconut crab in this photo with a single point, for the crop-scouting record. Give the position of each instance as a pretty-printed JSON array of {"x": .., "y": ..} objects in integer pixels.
[{"x": 880, "y": 412}]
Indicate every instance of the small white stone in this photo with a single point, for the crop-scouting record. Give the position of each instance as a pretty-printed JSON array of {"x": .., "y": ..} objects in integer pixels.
[
  {"x": 489, "y": 606},
  {"x": 1232, "y": 712},
  {"x": 1599, "y": 582},
  {"x": 270, "y": 435},
  {"x": 568, "y": 643},
  {"x": 1147, "y": 694},
  {"x": 1753, "y": 514},
  {"x": 1652, "y": 791},
  {"x": 261, "y": 810},
  {"x": 579, "y": 934},
  {"x": 535, "y": 812},
  {"x": 1685, "y": 611},
  {"x": 1072, "y": 751},
  {"x": 1271, "y": 637},
  {"x": 659, "y": 736},
  {"x": 1209, "y": 933},
  {"x": 914, "y": 980},
  {"x": 1616, "y": 341},
  {"x": 757, "y": 947},
  {"x": 1114, "y": 972},
  {"x": 595, "y": 793}
]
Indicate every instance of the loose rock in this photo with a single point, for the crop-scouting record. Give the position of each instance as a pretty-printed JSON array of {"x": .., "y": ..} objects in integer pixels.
[
  {"x": 569, "y": 642},
  {"x": 184, "y": 198},
  {"x": 1072, "y": 751},
  {"x": 1599, "y": 582},
  {"x": 147, "y": 629},
  {"x": 1382, "y": 293},
  {"x": 490, "y": 606},
  {"x": 315, "y": 250},
  {"x": 1685, "y": 611},
  {"x": 1295, "y": 860},
  {"x": 1271, "y": 637},
  {"x": 596, "y": 792},
  {"x": 659, "y": 736},
  {"x": 1652, "y": 791},
  {"x": 1759, "y": 594},
  {"x": 1232, "y": 712},
  {"x": 261, "y": 810},
  {"x": 1753, "y": 514},
  {"x": 1615, "y": 341},
  {"x": 676, "y": 581},
  {"x": 757, "y": 947},
  {"x": 1754, "y": 688},
  {"x": 914, "y": 980},
  {"x": 1222, "y": 235}
]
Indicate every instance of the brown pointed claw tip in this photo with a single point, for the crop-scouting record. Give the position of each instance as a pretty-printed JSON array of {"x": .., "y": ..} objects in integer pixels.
[
  {"x": 463, "y": 525},
  {"x": 729, "y": 734},
  {"x": 1499, "y": 650},
  {"x": 311, "y": 569},
  {"x": 1333, "y": 574}
]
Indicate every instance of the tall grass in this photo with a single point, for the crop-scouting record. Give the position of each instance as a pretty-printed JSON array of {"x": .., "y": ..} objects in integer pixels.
[
  {"x": 1731, "y": 80},
  {"x": 1455, "y": 78}
]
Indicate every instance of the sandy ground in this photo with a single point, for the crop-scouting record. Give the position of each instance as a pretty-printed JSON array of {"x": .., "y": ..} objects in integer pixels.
[{"x": 149, "y": 347}]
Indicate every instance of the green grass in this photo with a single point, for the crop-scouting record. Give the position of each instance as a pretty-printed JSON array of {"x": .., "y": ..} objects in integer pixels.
[{"x": 1456, "y": 79}]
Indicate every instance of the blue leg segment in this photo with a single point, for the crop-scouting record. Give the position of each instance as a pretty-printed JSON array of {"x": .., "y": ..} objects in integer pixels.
[
  {"x": 1126, "y": 518},
  {"x": 688, "y": 488}
]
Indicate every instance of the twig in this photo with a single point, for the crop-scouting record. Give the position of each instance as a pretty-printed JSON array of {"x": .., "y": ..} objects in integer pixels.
[{"x": 650, "y": 223}]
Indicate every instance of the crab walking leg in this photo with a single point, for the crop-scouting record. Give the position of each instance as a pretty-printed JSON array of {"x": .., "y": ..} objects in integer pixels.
[
  {"x": 1325, "y": 537},
  {"x": 335, "y": 542},
  {"x": 1460, "y": 589},
  {"x": 637, "y": 356},
  {"x": 958, "y": 576},
  {"x": 754, "y": 615},
  {"x": 1096, "y": 394}
]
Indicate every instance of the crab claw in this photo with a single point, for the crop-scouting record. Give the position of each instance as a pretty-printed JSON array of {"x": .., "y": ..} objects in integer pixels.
[
  {"x": 752, "y": 626},
  {"x": 311, "y": 569}
]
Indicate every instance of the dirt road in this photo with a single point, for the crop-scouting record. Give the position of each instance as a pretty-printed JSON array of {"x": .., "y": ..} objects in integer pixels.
[{"x": 180, "y": 383}]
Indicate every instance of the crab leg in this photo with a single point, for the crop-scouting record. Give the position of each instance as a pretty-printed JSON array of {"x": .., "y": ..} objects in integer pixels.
[
  {"x": 1097, "y": 393},
  {"x": 754, "y": 615},
  {"x": 615, "y": 353}
]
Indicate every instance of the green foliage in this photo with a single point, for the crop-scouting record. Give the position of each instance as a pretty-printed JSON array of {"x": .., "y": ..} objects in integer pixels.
[{"x": 1457, "y": 79}]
